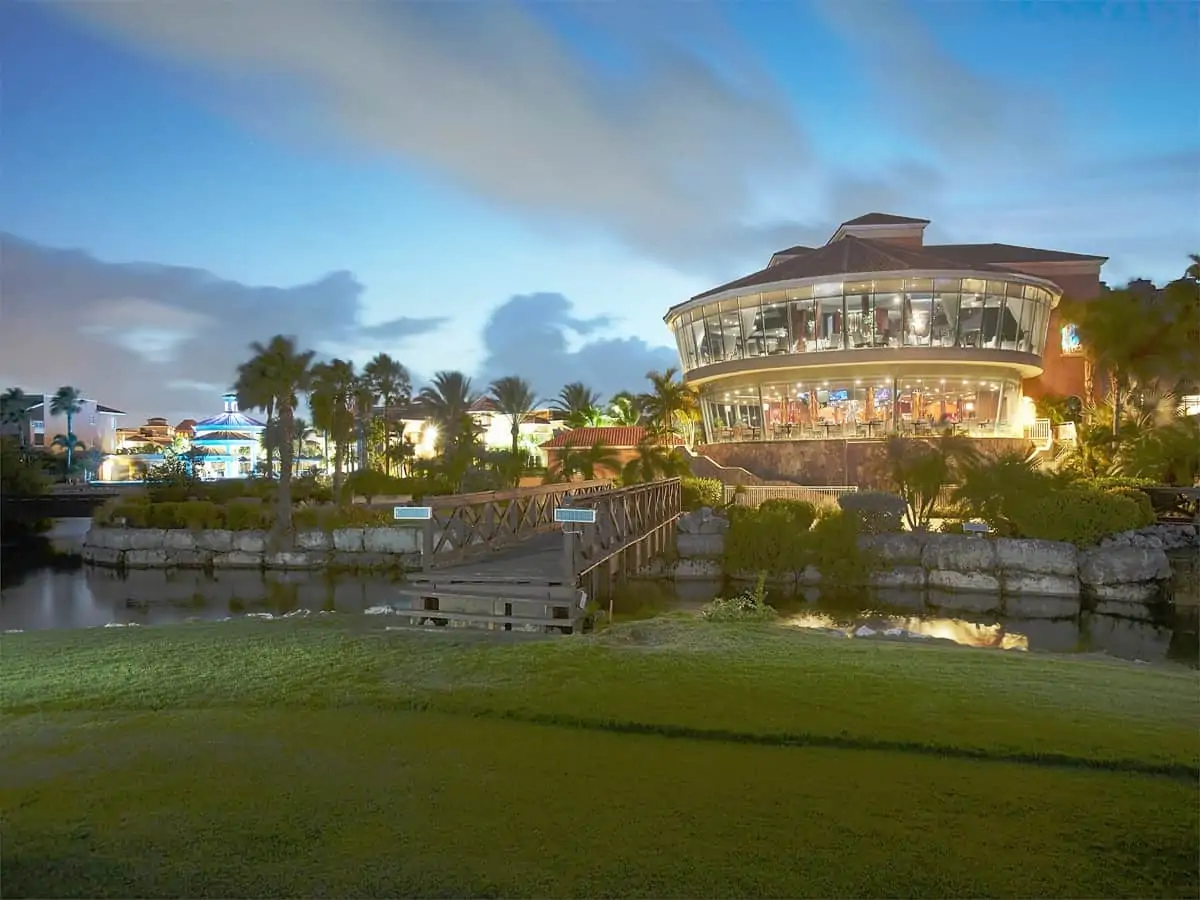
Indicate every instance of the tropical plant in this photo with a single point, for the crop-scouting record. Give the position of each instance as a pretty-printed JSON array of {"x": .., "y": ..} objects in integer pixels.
[
  {"x": 653, "y": 461},
  {"x": 626, "y": 409},
  {"x": 513, "y": 398},
  {"x": 274, "y": 377},
  {"x": 1193, "y": 269},
  {"x": 578, "y": 461},
  {"x": 580, "y": 404},
  {"x": 70, "y": 445},
  {"x": 90, "y": 461},
  {"x": 332, "y": 403},
  {"x": 391, "y": 383},
  {"x": 918, "y": 469},
  {"x": 447, "y": 402},
  {"x": 67, "y": 401},
  {"x": 14, "y": 410},
  {"x": 670, "y": 405},
  {"x": 363, "y": 398},
  {"x": 19, "y": 476}
]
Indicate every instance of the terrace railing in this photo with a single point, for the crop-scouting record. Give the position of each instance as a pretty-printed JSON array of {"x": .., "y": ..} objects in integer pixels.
[
  {"x": 754, "y": 494},
  {"x": 624, "y": 518},
  {"x": 467, "y": 525}
]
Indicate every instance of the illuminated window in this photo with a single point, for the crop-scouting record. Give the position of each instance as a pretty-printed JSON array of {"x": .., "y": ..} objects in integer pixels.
[{"x": 1070, "y": 341}]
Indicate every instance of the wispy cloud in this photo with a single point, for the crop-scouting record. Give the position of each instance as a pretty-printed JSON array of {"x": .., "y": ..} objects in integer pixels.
[{"x": 667, "y": 155}]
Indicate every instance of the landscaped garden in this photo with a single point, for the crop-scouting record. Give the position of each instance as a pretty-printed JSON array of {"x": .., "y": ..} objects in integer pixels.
[{"x": 329, "y": 757}]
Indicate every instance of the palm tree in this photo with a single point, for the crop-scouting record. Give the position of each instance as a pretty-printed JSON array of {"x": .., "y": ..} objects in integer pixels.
[
  {"x": 67, "y": 401},
  {"x": 626, "y": 409},
  {"x": 653, "y": 461},
  {"x": 514, "y": 398},
  {"x": 332, "y": 402},
  {"x": 1193, "y": 269},
  {"x": 447, "y": 401},
  {"x": 584, "y": 461},
  {"x": 1125, "y": 337},
  {"x": 304, "y": 435},
  {"x": 392, "y": 385},
  {"x": 90, "y": 460},
  {"x": 14, "y": 410},
  {"x": 581, "y": 405},
  {"x": 670, "y": 404},
  {"x": 272, "y": 441},
  {"x": 274, "y": 377}
]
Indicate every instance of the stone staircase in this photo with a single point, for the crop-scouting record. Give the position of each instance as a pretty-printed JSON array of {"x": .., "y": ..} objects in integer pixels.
[{"x": 705, "y": 467}]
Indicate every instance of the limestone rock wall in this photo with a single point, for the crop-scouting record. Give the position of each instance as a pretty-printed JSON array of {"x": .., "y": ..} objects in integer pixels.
[
  {"x": 964, "y": 572},
  {"x": 157, "y": 548}
]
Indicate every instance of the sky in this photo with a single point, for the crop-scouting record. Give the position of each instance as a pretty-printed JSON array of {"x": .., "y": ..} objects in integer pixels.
[{"x": 525, "y": 188}]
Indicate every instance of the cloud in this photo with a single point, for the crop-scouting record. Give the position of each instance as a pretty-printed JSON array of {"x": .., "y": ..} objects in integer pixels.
[
  {"x": 530, "y": 335},
  {"x": 958, "y": 114},
  {"x": 667, "y": 151},
  {"x": 156, "y": 339}
]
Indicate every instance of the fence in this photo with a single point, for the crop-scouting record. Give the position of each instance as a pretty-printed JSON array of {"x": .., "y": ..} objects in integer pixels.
[
  {"x": 754, "y": 494},
  {"x": 463, "y": 525},
  {"x": 1038, "y": 431}
]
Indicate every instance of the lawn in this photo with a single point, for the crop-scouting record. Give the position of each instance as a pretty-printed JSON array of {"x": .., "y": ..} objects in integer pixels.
[{"x": 331, "y": 757}]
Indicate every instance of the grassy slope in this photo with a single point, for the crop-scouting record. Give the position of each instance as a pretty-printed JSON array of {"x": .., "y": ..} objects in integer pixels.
[{"x": 287, "y": 758}]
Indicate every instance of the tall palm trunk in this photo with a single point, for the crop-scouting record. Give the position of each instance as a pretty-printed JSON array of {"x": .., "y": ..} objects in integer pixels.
[
  {"x": 70, "y": 435},
  {"x": 338, "y": 453},
  {"x": 283, "y": 518},
  {"x": 516, "y": 448}
]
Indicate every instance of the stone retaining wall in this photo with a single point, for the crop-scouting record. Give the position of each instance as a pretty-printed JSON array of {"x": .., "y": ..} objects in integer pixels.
[
  {"x": 963, "y": 572},
  {"x": 159, "y": 548}
]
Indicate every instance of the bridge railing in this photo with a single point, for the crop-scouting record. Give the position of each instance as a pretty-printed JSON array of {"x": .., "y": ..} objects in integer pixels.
[
  {"x": 467, "y": 525},
  {"x": 624, "y": 517}
]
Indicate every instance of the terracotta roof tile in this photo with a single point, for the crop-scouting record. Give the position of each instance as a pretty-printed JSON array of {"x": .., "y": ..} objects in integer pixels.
[
  {"x": 618, "y": 437},
  {"x": 997, "y": 254},
  {"x": 877, "y": 218},
  {"x": 848, "y": 256}
]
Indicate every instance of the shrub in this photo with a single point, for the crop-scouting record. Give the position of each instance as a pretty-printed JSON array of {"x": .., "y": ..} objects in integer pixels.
[
  {"x": 769, "y": 538},
  {"x": 877, "y": 512},
  {"x": 1076, "y": 515},
  {"x": 171, "y": 481},
  {"x": 832, "y": 547},
  {"x": 198, "y": 515},
  {"x": 698, "y": 492},
  {"x": 311, "y": 488},
  {"x": 330, "y": 518},
  {"x": 1113, "y": 482},
  {"x": 245, "y": 515},
  {"x": 371, "y": 483},
  {"x": 748, "y": 606},
  {"x": 1138, "y": 496},
  {"x": 992, "y": 487},
  {"x": 135, "y": 511}
]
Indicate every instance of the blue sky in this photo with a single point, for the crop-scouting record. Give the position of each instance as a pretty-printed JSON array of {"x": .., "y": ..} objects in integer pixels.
[{"x": 582, "y": 165}]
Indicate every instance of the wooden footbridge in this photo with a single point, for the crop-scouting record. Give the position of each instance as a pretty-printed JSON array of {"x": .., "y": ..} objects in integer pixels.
[{"x": 507, "y": 560}]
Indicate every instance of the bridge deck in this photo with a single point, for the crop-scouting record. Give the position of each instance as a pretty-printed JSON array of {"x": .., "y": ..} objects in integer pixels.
[{"x": 538, "y": 560}]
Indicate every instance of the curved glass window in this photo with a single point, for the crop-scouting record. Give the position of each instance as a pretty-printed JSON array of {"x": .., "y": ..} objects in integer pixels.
[
  {"x": 858, "y": 315},
  {"x": 770, "y": 409}
]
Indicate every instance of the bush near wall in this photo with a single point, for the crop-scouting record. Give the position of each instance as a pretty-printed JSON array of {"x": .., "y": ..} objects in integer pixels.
[
  {"x": 782, "y": 537},
  {"x": 876, "y": 512},
  {"x": 698, "y": 492},
  {"x": 1080, "y": 516},
  {"x": 239, "y": 514}
]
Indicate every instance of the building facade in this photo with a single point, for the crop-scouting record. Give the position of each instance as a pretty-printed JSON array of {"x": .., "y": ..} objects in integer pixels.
[
  {"x": 95, "y": 424},
  {"x": 877, "y": 332},
  {"x": 227, "y": 445}
]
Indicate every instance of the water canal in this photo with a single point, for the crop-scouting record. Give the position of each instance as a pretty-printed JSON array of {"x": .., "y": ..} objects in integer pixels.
[{"x": 39, "y": 591}]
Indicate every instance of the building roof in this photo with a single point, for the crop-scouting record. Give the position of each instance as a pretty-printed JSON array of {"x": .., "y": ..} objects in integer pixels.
[
  {"x": 100, "y": 407},
  {"x": 878, "y": 218},
  {"x": 225, "y": 437},
  {"x": 617, "y": 437},
  {"x": 850, "y": 255},
  {"x": 998, "y": 254},
  {"x": 228, "y": 421}
]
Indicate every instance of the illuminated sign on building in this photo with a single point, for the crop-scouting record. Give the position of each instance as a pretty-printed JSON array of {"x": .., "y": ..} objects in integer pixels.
[{"x": 1070, "y": 341}]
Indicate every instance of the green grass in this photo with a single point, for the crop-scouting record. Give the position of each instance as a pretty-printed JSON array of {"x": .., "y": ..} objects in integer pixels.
[{"x": 668, "y": 758}]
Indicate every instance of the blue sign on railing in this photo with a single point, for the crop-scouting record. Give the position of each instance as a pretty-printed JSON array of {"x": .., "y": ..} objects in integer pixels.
[
  {"x": 411, "y": 513},
  {"x": 575, "y": 516}
]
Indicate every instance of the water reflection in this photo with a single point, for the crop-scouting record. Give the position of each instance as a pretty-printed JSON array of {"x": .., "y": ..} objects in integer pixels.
[
  {"x": 87, "y": 597},
  {"x": 70, "y": 596},
  {"x": 1158, "y": 633}
]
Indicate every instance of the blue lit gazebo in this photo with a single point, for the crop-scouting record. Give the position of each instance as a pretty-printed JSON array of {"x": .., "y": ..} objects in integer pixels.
[{"x": 231, "y": 442}]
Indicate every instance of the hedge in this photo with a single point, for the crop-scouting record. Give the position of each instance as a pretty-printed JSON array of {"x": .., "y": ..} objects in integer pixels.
[
  {"x": 236, "y": 515},
  {"x": 1080, "y": 516},
  {"x": 698, "y": 492}
]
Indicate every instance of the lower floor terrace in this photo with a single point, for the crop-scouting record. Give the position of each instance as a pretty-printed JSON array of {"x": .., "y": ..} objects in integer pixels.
[{"x": 770, "y": 409}]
